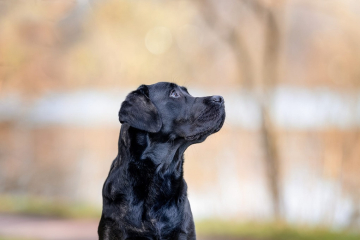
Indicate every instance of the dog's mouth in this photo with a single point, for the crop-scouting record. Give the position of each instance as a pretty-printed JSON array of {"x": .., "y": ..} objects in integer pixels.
[
  {"x": 220, "y": 124},
  {"x": 219, "y": 120},
  {"x": 198, "y": 135}
]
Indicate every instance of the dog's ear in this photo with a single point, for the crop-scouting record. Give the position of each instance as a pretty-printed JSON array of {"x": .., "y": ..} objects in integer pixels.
[{"x": 139, "y": 112}]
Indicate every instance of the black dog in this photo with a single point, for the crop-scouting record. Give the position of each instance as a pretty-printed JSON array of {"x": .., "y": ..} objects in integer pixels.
[{"x": 145, "y": 194}]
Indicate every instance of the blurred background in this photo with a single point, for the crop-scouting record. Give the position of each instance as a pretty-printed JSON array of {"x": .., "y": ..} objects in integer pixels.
[{"x": 286, "y": 164}]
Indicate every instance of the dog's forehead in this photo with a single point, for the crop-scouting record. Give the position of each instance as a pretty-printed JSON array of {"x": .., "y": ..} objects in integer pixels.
[
  {"x": 161, "y": 86},
  {"x": 161, "y": 89}
]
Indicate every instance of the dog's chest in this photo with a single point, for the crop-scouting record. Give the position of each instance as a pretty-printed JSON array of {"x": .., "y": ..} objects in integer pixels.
[{"x": 157, "y": 222}]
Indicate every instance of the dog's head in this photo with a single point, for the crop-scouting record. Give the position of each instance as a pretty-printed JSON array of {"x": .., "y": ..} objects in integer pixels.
[{"x": 170, "y": 111}]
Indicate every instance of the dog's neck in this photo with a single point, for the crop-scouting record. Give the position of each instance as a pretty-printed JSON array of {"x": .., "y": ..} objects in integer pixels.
[
  {"x": 153, "y": 159},
  {"x": 143, "y": 145}
]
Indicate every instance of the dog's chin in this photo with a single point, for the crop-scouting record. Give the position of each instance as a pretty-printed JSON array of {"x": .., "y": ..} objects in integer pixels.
[{"x": 202, "y": 135}]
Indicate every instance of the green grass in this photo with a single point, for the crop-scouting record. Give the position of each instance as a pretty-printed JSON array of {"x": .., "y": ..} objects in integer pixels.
[
  {"x": 270, "y": 231},
  {"x": 44, "y": 207}
]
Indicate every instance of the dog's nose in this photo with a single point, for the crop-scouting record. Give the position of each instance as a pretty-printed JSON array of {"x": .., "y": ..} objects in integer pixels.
[{"x": 217, "y": 99}]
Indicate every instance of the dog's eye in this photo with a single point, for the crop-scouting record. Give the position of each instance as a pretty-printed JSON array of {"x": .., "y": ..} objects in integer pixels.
[{"x": 174, "y": 94}]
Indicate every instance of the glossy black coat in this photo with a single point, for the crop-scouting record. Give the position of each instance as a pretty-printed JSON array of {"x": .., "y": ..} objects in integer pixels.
[{"x": 145, "y": 194}]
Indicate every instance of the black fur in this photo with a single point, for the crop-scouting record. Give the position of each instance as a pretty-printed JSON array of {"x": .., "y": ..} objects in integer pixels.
[{"x": 145, "y": 194}]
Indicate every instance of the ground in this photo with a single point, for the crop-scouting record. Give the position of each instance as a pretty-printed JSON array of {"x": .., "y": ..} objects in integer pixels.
[{"x": 32, "y": 227}]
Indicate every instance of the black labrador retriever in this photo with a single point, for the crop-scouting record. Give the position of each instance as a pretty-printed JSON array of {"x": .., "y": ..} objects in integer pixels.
[{"x": 145, "y": 194}]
